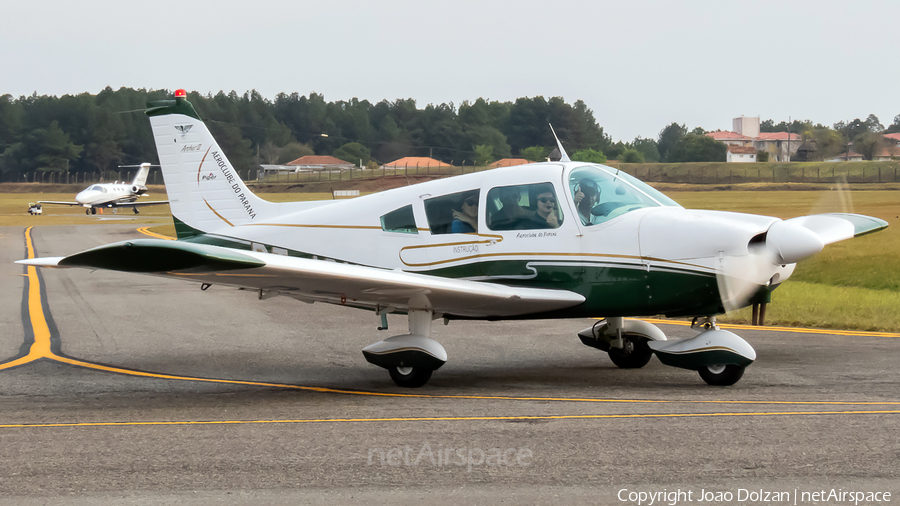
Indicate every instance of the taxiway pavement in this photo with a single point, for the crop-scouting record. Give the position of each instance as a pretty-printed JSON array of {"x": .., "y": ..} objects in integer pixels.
[{"x": 152, "y": 391}]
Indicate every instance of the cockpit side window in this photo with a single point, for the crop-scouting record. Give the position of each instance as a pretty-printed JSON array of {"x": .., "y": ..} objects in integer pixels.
[
  {"x": 600, "y": 196},
  {"x": 523, "y": 207},
  {"x": 456, "y": 213},
  {"x": 400, "y": 220}
]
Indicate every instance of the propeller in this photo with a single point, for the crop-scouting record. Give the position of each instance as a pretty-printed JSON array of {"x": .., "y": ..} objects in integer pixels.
[{"x": 745, "y": 278}]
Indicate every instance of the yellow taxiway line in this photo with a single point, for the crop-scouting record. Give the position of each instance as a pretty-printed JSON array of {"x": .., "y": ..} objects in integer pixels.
[
  {"x": 146, "y": 231},
  {"x": 442, "y": 419}
]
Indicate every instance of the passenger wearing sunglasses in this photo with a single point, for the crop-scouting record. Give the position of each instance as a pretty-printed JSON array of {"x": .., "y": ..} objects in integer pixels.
[
  {"x": 465, "y": 221},
  {"x": 546, "y": 209}
]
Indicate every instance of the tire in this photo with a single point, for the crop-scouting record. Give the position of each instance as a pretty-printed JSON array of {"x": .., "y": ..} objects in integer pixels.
[
  {"x": 721, "y": 375},
  {"x": 410, "y": 377},
  {"x": 635, "y": 355}
]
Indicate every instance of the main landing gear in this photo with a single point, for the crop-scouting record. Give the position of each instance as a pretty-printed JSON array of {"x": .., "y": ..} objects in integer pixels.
[
  {"x": 719, "y": 356},
  {"x": 409, "y": 358}
]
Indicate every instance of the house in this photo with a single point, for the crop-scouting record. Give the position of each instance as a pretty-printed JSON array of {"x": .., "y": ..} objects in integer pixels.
[
  {"x": 780, "y": 145},
  {"x": 309, "y": 163},
  {"x": 740, "y": 154},
  {"x": 319, "y": 162},
  {"x": 893, "y": 138},
  {"x": 731, "y": 138},
  {"x": 411, "y": 162},
  {"x": 887, "y": 153},
  {"x": 509, "y": 162}
]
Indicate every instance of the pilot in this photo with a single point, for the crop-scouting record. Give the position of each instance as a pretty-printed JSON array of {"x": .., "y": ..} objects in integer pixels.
[
  {"x": 465, "y": 221},
  {"x": 586, "y": 195}
]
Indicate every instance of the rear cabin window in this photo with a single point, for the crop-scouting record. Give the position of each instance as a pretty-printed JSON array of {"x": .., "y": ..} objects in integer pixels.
[
  {"x": 523, "y": 207},
  {"x": 400, "y": 220},
  {"x": 456, "y": 213}
]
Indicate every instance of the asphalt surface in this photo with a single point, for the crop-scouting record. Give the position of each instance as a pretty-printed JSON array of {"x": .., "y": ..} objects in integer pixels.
[{"x": 118, "y": 407}]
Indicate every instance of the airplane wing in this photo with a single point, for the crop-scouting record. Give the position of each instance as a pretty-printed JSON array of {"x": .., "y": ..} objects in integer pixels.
[
  {"x": 51, "y": 202},
  {"x": 315, "y": 280},
  {"x": 140, "y": 204},
  {"x": 834, "y": 227}
]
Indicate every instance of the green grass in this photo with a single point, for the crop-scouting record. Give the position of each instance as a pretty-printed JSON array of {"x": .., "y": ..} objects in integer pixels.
[{"x": 802, "y": 304}]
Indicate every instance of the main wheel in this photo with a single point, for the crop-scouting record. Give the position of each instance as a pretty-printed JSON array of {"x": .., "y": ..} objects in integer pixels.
[
  {"x": 410, "y": 377},
  {"x": 93, "y": 210},
  {"x": 634, "y": 355},
  {"x": 721, "y": 375}
]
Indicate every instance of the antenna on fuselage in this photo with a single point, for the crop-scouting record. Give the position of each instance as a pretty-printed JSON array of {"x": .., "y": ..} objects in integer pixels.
[{"x": 563, "y": 156}]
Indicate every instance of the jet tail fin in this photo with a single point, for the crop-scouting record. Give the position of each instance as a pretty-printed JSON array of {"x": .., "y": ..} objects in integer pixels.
[
  {"x": 205, "y": 191},
  {"x": 140, "y": 179}
]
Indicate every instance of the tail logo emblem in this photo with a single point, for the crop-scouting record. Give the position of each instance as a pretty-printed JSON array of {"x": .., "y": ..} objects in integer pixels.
[{"x": 184, "y": 129}]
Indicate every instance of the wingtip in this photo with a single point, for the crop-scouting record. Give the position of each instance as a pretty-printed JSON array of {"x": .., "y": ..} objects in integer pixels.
[{"x": 41, "y": 262}]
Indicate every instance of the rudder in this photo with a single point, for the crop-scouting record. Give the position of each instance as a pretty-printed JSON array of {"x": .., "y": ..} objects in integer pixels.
[{"x": 205, "y": 192}]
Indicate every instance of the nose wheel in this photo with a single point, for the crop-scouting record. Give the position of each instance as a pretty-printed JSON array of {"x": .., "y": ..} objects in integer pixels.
[
  {"x": 410, "y": 377},
  {"x": 721, "y": 375}
]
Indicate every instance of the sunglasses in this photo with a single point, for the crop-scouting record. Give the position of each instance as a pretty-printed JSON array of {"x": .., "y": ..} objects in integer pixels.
[
  {"x": 544, "y": 200},
  {"x": 471, "y": 202}
]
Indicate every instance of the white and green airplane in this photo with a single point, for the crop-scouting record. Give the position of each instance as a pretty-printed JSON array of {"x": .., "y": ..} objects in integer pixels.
[{"x": 546, "y": 240}]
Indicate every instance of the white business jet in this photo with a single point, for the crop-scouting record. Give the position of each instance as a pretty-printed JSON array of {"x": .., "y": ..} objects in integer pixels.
[
  {"x": 547, "y": 240},
  {"x": 113, "y": 195}
]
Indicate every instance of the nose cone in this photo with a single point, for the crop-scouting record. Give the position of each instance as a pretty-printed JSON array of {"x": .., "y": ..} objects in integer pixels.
[{"x": 86, "y": 196}]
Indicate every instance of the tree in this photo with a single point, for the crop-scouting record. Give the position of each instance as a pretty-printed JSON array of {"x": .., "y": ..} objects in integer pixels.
[
  {"x": 589, "y": 155},
  {"x": 698, "y": 148},
  {"x": 631, "y": 155},
  {"x": 646, "y": 147},
  {"x": 54, "y": 149},
  {"x": 668, "y": 138},
  {"x": 534, "y": 153},
  {"x": 868, "y": 144},
  {"x": 829, "y": 143},
  {"x": 353, "y": 152},
  {"x": 483, "y": 154},
  {"x": 873, "y": 124},
  {"x": 895, "y": 127},
  {"x": 292, "y": 151},
  {"x": 762, "y": 156}
]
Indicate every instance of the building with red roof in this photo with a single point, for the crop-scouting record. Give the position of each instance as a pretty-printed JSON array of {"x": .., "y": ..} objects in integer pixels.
[
  {"x": 412, "y": 162},
  {"x": 509, "y": 162},
  {"x": 780, "y": 145}
]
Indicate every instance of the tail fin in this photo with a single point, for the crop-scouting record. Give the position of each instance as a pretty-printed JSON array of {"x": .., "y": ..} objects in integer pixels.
[
  {"x": 141, "y": 178},
  {"x": 204, "y": 190}
]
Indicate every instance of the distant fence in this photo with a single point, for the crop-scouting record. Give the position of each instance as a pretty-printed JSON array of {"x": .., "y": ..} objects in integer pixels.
[{"x": 696, "y": 173}]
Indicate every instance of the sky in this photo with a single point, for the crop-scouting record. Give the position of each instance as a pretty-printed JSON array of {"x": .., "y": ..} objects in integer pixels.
[{"x": 639, "y": 65}]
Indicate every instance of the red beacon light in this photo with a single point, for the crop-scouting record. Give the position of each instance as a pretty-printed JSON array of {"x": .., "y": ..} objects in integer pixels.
[{"x": 180, "y": 94}]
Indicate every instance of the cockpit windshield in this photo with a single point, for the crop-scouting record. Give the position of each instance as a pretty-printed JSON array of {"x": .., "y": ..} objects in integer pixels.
[
  {"x": 601, "y": 195},
  {"x": 97, "y": 188}
]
